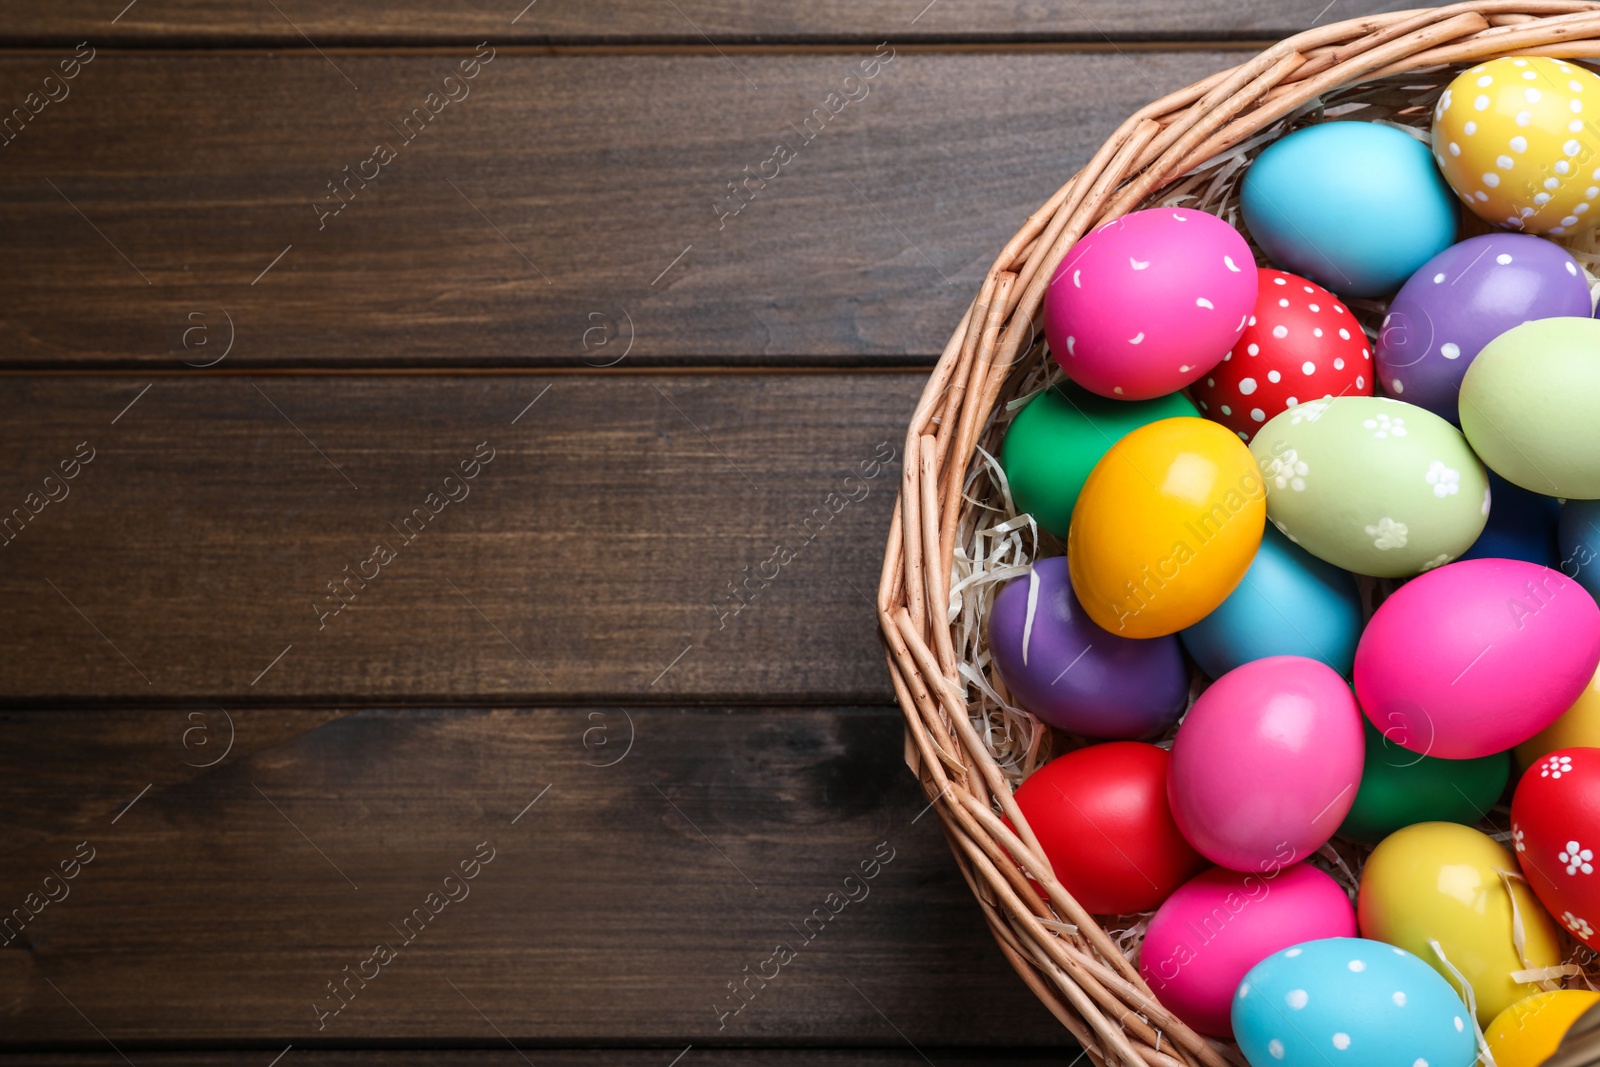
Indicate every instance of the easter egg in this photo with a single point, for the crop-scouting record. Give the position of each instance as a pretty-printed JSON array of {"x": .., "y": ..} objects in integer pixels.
[
  {"x": 1577, "y": 1044},
  {"x": 1439, "y": 881},
  {"x": 1578, "y": 534},
  {"x": 1290, "y": 603},
  {"x": 1528, "y": 405},
  {"x": 1529, "y": 1032},
  {"x": 1555, "y": 826},
  {"x": 1522, "y": 525},
  {"x": 1147, "y": 303},
  {"x": 1072, "y": 674},
  {"x": 1462, "y": 299},
  {"x": 1101, "y": 816},
  {"x": 1266, "y": 763},
  {"x": 1372, "y": 485},
  {"x": 1356, "y": 206},
  {"x": 1400, "y": 787},
  {"x": 1058, "y": 437},
  {"x": 1300, "y": 343},
  {"x": 1220, "y": 923},
  {"x": 1309, "y": 1005},
  {"x": 1476, "y": 657},
  {"x": 1166, "y": 525},
  {"x": 1578, "y": 727},
  {"x": 1512, "y": 139}
]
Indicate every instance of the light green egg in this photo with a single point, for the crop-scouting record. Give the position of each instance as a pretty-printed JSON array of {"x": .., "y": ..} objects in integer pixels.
[
  {"x": 1372, "y": 485},
  {"x": 1530, "y": 405}
]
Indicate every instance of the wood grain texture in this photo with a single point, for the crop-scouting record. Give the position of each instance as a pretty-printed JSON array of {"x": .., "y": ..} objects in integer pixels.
[
  {"x": 366, "y": 22},
  {"x": 565, "y": 212},
  {"x": 593, "y": 557},
  {"x": 613, "y": 901},
  {"x": 548, "y": 1057}
]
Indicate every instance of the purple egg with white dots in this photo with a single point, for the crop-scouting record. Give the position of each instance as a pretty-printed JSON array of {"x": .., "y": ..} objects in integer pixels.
[
  {"x": 1462, "y": 299},
  {"x": 1149, "y": 302},
  {"x": 1350, "y": 1000}
]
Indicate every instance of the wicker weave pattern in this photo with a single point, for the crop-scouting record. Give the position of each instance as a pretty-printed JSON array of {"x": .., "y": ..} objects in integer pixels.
[{"x": 1061, "y": 953}]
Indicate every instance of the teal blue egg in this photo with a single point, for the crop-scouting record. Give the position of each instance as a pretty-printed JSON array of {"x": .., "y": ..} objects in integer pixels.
[
  {"x": 1522, "y": 525},
  {"x": 1350, "y": 1000},
  {"x": 1290, "y": 603},
  {"x": 1356, "y": 206},
  {"x": 1580, "y": 543}
]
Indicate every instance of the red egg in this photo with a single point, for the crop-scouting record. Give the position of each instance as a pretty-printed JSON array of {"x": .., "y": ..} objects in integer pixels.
[
  {"x": 1300, "y": 344},
  {"x": 1101, "y": 816},
  {"x": 1555, "y": 829}
]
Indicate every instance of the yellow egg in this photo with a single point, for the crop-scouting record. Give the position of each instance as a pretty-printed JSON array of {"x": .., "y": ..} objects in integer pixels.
[
  {"x": 1439, "y": 881},
  {"x": 1527, "y": 1033},
  {"x": 1517, "y": 141},
  {"x": 1165, "y": 527},
  {"x": 1578, "y": 727}
]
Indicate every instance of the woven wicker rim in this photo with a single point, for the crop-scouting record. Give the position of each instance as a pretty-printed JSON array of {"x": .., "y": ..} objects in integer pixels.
[{"x": 1060, "y": 951}]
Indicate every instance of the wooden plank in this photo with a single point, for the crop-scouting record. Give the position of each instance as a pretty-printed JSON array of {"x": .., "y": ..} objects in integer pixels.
[
  {"x": 177, "y": 744},
  {"x": 618, "y": 888},
  {"x": 567, "y": 210},
  {"x": 347, "y": 23},
  {"x": 545, "y": 1057},
  {"x": 629, "y": 537}
]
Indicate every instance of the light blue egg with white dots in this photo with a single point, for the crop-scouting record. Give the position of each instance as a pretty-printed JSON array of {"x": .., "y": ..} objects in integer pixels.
[{"x": 1350, "y": 1002}]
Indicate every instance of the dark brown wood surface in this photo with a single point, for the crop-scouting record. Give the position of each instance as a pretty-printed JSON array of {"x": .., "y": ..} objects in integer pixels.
[
  {"x": 904, "y": 1056},
  {"x": 289, "y": 23},
  {"x": 567, "y": 211},
  {"x": 638, "y": 861},
  {"x": 618, "y": 545},
  {"x": 216, "y": 399}
]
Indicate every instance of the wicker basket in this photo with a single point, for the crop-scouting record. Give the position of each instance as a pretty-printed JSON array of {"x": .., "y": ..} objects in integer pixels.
[{"x": 955, "y": 533}]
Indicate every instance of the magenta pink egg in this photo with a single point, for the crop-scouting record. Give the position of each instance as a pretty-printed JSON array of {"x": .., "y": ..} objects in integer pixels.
[
  {"x": 1149, "y": 302},
  {"x": 1219, "y": 924},
  {"x": 1476, "y": 657},
  {"x": 1267, "y": 763}
]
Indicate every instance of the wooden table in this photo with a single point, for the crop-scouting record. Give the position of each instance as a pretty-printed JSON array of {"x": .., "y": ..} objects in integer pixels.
[{"x": 448, "y": 452}]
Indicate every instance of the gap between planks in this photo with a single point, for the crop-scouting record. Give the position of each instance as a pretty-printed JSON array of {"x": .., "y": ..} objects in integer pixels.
[
  {"x": 810, "y": 369},
  {"x": 1096, "y": 44}
]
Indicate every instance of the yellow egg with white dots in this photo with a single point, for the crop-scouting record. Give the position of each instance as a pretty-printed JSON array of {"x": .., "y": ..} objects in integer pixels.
[{"x": 1516, "y": 138}]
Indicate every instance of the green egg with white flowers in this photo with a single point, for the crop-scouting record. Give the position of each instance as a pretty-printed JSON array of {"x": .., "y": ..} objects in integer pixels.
[
  {"x": 1530, "y": 405},
  {"x": 1372, "y": 485}
]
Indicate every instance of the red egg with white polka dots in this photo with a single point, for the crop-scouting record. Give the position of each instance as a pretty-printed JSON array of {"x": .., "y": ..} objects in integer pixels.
[
  {"x": 1555, "y": 829},
  {"x": 1301, "y": 343}
]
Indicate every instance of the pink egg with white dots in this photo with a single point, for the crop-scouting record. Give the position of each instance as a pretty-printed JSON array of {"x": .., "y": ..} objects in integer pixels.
[
  {"x": 1149, "y": 302},
  {"x": 1300, "y": 343}
]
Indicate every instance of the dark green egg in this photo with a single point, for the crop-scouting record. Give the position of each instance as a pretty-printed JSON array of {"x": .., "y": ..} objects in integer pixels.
[
  {"x": 1058, "y": 437},
  {"x": 1400, "y": 788}
]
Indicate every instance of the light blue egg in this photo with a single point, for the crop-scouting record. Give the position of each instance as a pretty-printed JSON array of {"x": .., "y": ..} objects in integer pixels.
[
  {"x": 1357, "y": 206},
  {"x": 1350, "y": 1001},
  {"x": 1580, "y": 543},
  {"x": 1290, "y": 603}
]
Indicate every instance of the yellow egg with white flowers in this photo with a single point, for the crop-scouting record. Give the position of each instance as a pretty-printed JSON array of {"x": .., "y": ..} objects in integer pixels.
[{"x": 1516, "y": 138}]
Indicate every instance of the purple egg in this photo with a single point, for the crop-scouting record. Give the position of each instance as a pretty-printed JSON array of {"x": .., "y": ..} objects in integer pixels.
[
  {"x": 1462, "y": 299},
  {"x": 1075, "y": 675}
]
